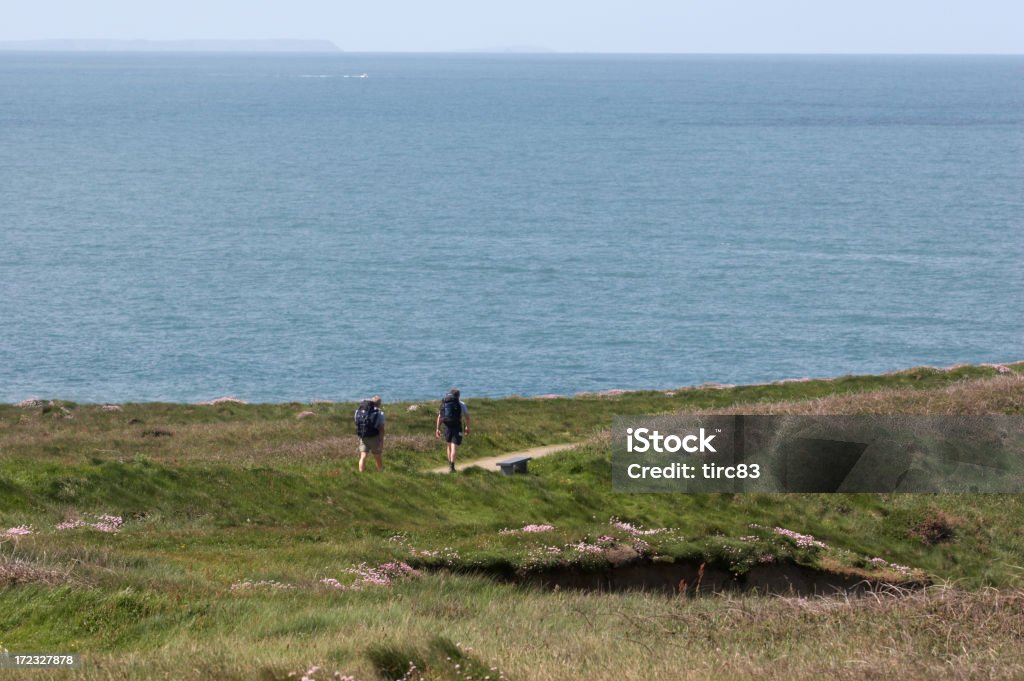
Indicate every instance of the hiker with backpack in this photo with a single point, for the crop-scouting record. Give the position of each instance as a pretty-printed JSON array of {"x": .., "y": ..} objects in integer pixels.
[
  {"x": 452, "y": 412},
  {"x": 369, "y": 418}
]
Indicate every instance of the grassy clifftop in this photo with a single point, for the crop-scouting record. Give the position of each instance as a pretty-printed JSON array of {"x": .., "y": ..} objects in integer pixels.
[{"x": 162, "y": 527}]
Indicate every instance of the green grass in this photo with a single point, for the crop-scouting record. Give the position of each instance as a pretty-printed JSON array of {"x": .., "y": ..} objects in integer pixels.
[
  {"x": 214, "y": 496},
  {"x": 527, "y": 634}
]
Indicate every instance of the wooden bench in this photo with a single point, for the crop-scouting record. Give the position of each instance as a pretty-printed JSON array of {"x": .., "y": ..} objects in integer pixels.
[{"x": 515, "y": 465}]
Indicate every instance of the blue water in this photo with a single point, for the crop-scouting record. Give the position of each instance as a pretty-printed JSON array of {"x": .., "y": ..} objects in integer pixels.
[{"x": 181, "y": 227}]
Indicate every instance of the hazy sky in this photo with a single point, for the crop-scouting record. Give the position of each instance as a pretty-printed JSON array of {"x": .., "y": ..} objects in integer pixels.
[{"x": 888, "y": 26}]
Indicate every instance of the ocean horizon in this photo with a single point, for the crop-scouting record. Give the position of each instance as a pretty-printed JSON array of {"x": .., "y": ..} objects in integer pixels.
[{"x": 291, "y": 227}]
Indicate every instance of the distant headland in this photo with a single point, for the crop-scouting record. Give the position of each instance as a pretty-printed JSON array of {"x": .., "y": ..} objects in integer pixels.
[{"x": 169, "y": 46}]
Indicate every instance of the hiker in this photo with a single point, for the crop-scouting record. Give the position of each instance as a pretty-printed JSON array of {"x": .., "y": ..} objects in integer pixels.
[
  {"x": 369, "y": 418},
  {"x": 452, "y": 412}
]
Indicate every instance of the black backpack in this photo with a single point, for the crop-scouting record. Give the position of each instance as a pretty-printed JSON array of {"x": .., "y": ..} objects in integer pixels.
[
  {"x": 451, "y": 411},
  {"x": 366, "y": 419}
]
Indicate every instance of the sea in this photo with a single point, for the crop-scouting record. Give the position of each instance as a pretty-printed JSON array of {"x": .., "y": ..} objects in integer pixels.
[{"x": 182, "y": 227}]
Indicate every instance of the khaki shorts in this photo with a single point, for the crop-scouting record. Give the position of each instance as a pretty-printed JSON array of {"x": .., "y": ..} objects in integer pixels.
[{"x": 371, "y": 444}]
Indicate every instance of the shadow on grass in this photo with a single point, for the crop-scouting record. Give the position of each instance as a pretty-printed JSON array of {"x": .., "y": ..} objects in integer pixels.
[{"x": 441, "y": 660}]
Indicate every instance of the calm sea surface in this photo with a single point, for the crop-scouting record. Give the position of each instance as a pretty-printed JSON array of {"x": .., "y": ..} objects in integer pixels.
[{"x": 181, "y": 227}]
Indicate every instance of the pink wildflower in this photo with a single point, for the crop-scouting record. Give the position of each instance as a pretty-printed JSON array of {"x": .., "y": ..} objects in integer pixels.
[
  {"x": 584, "y": 547},
  {"x": 382, "y": 575},
  {"x": 109, "y": 523},
  {"x": 633, "y": 529},
  {"x": 529, "y": 529},
  {"x": 332, "y": 583},
  {"x": 69, "y": 525},
  {"x": 802, "y": 540},
  {"x": 19, "y": 531}
]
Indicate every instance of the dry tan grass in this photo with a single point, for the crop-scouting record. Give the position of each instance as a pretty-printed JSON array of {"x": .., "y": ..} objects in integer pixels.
[
  {"x": 340, "y": 446},
  {"x": 269, "y": 442},
  {"x": 1003, "y": 394},
  {"x": 17, "y": 571}
]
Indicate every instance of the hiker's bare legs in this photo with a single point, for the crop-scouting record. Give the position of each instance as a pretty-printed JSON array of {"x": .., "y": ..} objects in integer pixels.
[
  {"x": 377, "y": 457},
  {"x": 451, "y": 438}
]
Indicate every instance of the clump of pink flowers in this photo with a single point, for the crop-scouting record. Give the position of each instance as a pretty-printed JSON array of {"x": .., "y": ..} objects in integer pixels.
[
  {"x": 802, "y": 540},
  {"x": 528, "y": 529},
  {"x": 633, "y": 529},
  {"x": 19, "y": 531},
  {"x": 641, "y": 547},
  {"x": 540, "y": 555},
  {"x": 69, "y": 525},
  {"x": 111, "y": 524},
  {"x": 882, "y": 563},
  {"x": 382, "y": 575},
  {"x": 584, "y": 547}
]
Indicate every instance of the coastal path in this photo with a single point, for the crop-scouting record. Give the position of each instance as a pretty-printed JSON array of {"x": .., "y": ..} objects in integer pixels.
[{"x": 491, "y": 462}]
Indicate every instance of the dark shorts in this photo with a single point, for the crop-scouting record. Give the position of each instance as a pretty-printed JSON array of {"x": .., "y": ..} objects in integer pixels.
[{"x": 452, "y": 433}]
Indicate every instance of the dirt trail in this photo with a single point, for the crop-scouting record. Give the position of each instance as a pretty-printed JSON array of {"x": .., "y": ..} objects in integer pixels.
[{"x": 491, "y": 462}]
